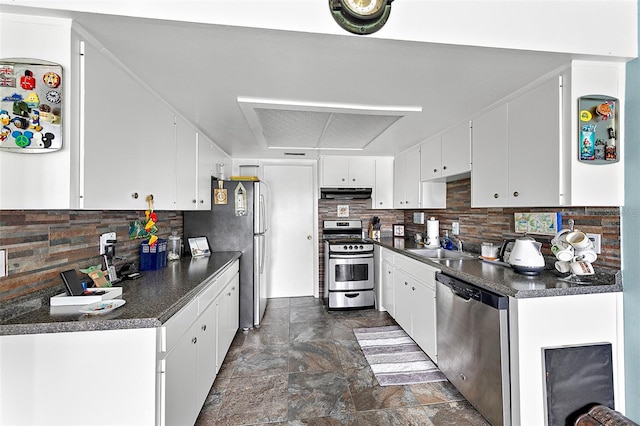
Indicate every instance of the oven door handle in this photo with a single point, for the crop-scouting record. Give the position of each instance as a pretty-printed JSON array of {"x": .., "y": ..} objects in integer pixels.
[{"x": 333, "y": 255}]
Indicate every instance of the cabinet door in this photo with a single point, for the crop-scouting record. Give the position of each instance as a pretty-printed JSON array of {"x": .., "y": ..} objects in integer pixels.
[
  {"x": 186, "y": 160},
  {"x": 402, "y": 293},
  {"x": 362, "y": 172},
  {"x": 423, "y": 317},
  {"x": 112, "y": 140},
  {"x": 158, "y": 162},
  {"x": 204, "y": 173},
  {"x": 431, "y": 158},
  {"x": 387, "y": 288},
  {"x": 382, "y": 194},
  {"x": 399, "y": 181},
  {"x": 534, "y": 147},
  {"x": 206, "y": 329},
  {"x": 180, "y": 381},
  {"x": 412, "y": 178},
  {"x": 456, "y": 150},
  {"x": 228, "y": 317},
  {"x": 490, "y": 173},
  {"x": 335, "y": 171}
]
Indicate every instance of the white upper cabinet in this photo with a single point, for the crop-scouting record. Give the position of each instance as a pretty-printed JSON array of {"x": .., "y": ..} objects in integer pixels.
[
  {"x": 357, "y": 172},
  {"x": 406, "y": 179},
  {"x": 446, "y": 155},
  {"x": 113, "y": 162},
  {"x": 517, "y": 151},
  {"x": 382, "y": 193}
]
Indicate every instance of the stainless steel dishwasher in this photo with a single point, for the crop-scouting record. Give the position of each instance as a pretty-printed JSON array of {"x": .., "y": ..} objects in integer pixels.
[{"x": 473, "y": 345}]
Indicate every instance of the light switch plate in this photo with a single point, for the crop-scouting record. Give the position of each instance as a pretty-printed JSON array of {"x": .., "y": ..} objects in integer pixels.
[
  {"x": 596, "y": 239},
  {"x": 455, "y": 228},
  {"x": 418, "y": 217},
  {"x": 3, "y": 263}
]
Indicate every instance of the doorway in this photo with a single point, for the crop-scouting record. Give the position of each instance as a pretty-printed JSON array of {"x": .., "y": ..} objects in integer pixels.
[{"x": 292, "y": 244}]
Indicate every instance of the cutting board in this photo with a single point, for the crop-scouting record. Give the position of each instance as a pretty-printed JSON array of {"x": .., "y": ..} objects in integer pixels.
[{"x": 220, "y": 194}]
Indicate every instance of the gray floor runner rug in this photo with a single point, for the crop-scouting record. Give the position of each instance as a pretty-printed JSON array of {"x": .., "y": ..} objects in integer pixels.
[{"x": 395, "y": 358}]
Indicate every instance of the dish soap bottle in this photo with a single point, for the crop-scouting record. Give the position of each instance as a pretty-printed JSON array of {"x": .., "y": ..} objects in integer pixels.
[{"x": 447, "y": 244}]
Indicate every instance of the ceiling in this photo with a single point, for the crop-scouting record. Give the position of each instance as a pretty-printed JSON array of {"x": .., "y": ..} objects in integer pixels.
[{"x": 258, "y": 93}]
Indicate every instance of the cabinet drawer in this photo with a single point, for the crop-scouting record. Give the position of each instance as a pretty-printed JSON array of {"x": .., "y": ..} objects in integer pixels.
[
  {"x": 419, "y": 270},
  {"x": 215, "y": 286},
  {"x": 178, "y": 324}
]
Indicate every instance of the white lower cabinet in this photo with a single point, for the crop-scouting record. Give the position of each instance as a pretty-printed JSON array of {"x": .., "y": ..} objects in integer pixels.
[
  {"x": 388, "y": 299},
  {"x": 414, "y": 285},
  {"x": 190, "y": 365}
]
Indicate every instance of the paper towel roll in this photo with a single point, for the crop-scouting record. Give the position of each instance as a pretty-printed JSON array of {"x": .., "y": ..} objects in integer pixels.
[{"x": 433, "y": 232}]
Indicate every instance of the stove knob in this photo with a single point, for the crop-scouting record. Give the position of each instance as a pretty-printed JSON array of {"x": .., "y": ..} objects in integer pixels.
[
  {"x": 350, "y": 247},
  {"x": 361, "y": 247},
  {"x": 345, "y": 247}
]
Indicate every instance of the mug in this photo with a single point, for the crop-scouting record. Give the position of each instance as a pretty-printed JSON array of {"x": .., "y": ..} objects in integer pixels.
[
  {"x": 489, "y": 251},
  {"x": 562, "y": 266},
  {"x": 562, "y": 251},
  {"x": 587, "y": 254},
  {"x": 581, "y": 267},
  {"x": 418, "y": 237},
  {"x": 578, "y": 239}
]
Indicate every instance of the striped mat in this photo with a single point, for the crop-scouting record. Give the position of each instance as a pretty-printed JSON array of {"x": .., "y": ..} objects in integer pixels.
[{"x": 395, "y": 358}]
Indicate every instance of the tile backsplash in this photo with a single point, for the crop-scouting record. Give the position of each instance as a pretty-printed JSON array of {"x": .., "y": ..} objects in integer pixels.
[{"x": 41, "y": 244}]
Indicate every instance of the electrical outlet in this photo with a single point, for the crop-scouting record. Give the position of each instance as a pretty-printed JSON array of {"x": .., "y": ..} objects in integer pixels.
[
  {"x": 596, "y": 239},
  {"x": 3, "y": 263},
  {"x": 455, "y": 228}
]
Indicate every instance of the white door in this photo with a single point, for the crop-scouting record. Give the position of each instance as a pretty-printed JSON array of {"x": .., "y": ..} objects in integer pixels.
[{"x": 291, "y": 252}]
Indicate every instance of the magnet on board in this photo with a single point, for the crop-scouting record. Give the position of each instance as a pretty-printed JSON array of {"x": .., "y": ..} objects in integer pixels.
[
  {"x": 7, "y": 81},
  {"x": 21, "y": 108},
  {"x": 22, "y": 139},
  {"x": 53, "y": 96},
  {"x": 19, "y": 122},
  {"x": 5, "y": 118},
  {"x": 6, "y": 69},
  {"x": 51, "y": 79},
  {"x": 44, "y": 108},
  {"x": 35, "y": 121},
  {"x": 47, "y": 139},
  {"x": 13, "y": 98},
  {"x": 585, "y": 115},
  {"x": 4, "y": 133},
  {"x": 27, "y": 82},
  {"x": 32, "y": 100}
]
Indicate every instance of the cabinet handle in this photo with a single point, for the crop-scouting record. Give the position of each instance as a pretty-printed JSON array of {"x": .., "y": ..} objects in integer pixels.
[
  {"x": 204, "y": 327},
  {"x": 389, "y": 272},
  {"x": 435, "y": 170},
  {"x": 406, "y": 283},
  {"x": 194, "y": 340},
  {"x": 135, "y": 195},
  {"x": 343, "y": 179},
  {"x": 380, "y": 202},
  {"x": 201, "y": 201},
  {"x": 515, "y": 194},
  {"x": 354, "y": 179},
  {"x": 233, "y": 288},
  {"x": 229, "y": 294},
  {"x": 444, "y": 167},
  {"x": 496, "y": 195},
  {"x": 413, "y": 288},
  {"x": 193, "y": 201}
]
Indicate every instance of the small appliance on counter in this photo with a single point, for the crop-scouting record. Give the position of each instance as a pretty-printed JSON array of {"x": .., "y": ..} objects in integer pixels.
[
  {"x": 525, "y": 257},
  {"x": 433, "y": 233}
]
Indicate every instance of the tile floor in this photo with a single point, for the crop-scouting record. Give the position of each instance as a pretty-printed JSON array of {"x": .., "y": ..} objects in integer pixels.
[{"x": 303, "y": 366}]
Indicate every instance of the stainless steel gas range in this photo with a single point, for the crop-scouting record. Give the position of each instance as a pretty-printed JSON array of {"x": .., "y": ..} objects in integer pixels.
[{"x": 349, "y": 277}]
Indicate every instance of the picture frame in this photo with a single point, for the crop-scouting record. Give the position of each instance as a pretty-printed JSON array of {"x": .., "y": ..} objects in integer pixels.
[
  {"x": 398, "y": 230},
  {"x": 199, "y": 247},
  {"x": 343, "y": 210}
]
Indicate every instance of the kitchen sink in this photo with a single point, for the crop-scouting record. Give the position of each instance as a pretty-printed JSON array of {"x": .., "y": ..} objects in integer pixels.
[{"x": 440, "y": 253}]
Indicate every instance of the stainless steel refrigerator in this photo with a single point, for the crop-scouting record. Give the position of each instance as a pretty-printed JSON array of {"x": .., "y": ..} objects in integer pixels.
[{"x": 226, "y": 230}]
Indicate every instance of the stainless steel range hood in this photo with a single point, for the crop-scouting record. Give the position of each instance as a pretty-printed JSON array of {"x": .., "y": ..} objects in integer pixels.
[{"x": 345, "y": 193}]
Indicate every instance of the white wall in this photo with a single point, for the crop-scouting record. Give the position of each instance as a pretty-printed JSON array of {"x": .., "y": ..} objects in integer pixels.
[{"x": 553, "y": 26}]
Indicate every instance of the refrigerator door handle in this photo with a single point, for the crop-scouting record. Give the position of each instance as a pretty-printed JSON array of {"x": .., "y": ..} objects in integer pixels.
[
  {"x": 263, "y": 215},
  {"x": 263, "y": 253}
]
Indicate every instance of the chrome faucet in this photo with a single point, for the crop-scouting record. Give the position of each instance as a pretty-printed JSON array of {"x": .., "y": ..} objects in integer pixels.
[{"x": 458, "y": 243}]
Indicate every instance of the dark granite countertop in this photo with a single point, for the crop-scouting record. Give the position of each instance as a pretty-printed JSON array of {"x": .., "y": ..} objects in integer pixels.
[
  {"x": 150, "y": 300},
  {"x": 505, "y": 281}
]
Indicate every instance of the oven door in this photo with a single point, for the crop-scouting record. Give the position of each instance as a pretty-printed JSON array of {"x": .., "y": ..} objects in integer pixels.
[{"x": 350, "y": 272}]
